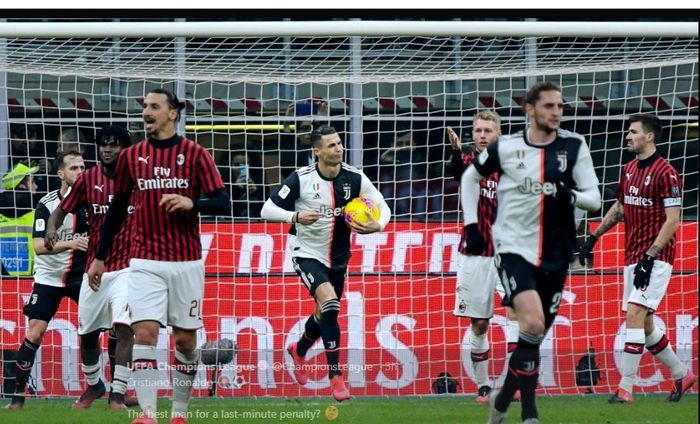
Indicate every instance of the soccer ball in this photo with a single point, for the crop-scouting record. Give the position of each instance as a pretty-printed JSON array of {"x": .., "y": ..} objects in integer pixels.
[{"x": 356, "y": 210}]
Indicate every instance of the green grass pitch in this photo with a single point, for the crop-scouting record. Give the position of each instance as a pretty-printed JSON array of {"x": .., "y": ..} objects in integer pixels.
[{"x": 367, "y": 410}]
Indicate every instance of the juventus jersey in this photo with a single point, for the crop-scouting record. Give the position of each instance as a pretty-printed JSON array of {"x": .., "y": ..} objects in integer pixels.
[
  {"x": 535, "y": 219},
  {"x": 647, "y": 187},
  {"x": 328, "y": 239},
  {"x": 64, "y": 268}
]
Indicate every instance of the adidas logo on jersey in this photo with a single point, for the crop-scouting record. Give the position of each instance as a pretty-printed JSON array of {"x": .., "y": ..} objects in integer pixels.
[
  {"x": 535, "y": 187},
  {"x": 317, "y": 196}
]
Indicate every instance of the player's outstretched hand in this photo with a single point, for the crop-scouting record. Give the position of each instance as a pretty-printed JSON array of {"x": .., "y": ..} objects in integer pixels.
[
  {"x": 454, "y": 139},
  {"x": 308, "y": 217},
  {"x": 371, "y": 226},
  {"x": 50, "y": 240},
  {"x": 97, "y": 268},
  {"x": 175, "y": 202},
  {"x": 642, "y": 272},
  {"x": 586, "y": 249}
]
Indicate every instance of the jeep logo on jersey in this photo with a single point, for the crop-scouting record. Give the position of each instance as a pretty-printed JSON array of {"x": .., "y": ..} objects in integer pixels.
[
  {"x": 346, "y": 191},
  {"x": 536, "y": 187},
  {"x": 562, "y": 157},
  {"x": 330, "y": 212}
]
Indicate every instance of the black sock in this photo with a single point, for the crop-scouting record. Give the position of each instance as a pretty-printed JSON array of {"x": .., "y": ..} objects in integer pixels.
[
  {"x": 526, "y": 359},
  {"x": 312, "y": 331},
  {"x": 330, "y": 333},
  {"x": 24, "y": 364},
  {"x": 510, "y": 386},
  {"x": 111, "y": 351}
]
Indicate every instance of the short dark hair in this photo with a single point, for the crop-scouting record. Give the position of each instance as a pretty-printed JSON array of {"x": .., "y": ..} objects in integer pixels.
[
  {"x": 533, "y": 93},
  {"x": 650, "y": 123},
  {"x": 61, "y": 155},
  {"x": 172, "y": 99},
  {"x": 113, "y": 132},
  {"x": 318, "y": 134}
]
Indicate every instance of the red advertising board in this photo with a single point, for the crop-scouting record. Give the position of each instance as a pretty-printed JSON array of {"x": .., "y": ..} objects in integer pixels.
[
  {"x": 398, "y": 331},
  {"x": 402, "y": 247}
]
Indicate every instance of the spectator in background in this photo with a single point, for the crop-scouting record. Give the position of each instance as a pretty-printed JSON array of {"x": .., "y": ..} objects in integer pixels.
[
  {"x": 245, "y": 193},
  {"x": 403, "y": 176},
  {"x": 17, "y": 203},
  {"x": 298, "y": 154}
]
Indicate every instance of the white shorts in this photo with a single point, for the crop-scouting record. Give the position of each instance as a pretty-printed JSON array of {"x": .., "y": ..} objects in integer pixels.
[
  {"x": 477, "y": 278},
  {"x": 658, "y": 283},
  {"x": 170, "y": 293},
  {"x": 100, "y": 310}
]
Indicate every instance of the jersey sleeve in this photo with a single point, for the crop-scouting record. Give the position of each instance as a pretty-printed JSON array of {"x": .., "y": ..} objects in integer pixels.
[
  {"x": 41, "y": 217},
  {"x": 488, "y": 162},
  {"x": 671, "y": 188},
  {"x": 75, "y": 197},
  {"x": 583, "y": 173},
  {"x": 207, "y": 174},
  {"x": 287, "y": 193},
  {"x": 124, "y": 182}
]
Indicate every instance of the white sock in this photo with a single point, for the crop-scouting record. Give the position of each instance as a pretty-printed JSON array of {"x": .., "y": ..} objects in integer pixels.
[
  {"x": 92, "y": 373},
  {"x": 658, "y": 345},
  {"x": 184, "y": 373},
  {"x": 479, "y": 354},
  {"x": 634, "y": 347},
  {"x": 145, "y": 377},
  {"x": 120, "y": 379}
]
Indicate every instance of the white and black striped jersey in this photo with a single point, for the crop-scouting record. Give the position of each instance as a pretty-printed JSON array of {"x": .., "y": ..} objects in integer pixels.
[
  {"x": 535, "y": 218},
  {"x": 64, "y": 268},
  {"x": 328, "y": 239}
]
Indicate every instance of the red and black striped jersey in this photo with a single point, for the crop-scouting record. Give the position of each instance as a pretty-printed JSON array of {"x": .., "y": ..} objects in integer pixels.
[
  {"x": 153, "y": 168},
  {"x": 94, "y": 191},
  {"x": 486, "y": 208},
  {"x": 647, "y": 187}
]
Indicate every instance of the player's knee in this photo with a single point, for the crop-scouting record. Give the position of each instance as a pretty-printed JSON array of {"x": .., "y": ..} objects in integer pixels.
[
  {"x": 330, "y": 310},
  {"x": 90, "y": 340},
  {"x": 636, "y": 316},
  {"x": 35, "y": 333},
  {"x": 534, "y": 326},
  {"x": 480, "y": 326},
  {"x": 124, "y": 334},
  {"x": 145, "y": 336}
]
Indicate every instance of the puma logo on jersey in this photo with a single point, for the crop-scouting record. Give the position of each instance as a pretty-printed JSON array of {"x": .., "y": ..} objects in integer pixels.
[
  {"x": 100, "y": 188},
  {"x": 144, "y": 160},
  {"x": 535, "y": 187}
]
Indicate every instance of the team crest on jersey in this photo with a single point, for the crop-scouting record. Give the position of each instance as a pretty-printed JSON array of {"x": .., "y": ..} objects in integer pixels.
[
  {"x": 180, "y": 159},
  {"x": 346, "y": 191},
  {"x": 562, "y": 158},
  {"x": 647, "y": 180}
]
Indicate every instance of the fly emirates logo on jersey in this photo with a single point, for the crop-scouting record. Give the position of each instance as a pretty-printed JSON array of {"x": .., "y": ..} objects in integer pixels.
[
  {"x": 161, "y": 180},
  {"x": 633, "y": 198},
  {"x": 98, "y": 209}
]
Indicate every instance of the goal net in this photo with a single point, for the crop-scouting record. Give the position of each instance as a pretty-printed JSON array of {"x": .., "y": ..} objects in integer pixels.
[{"x": 252, "y": 95}]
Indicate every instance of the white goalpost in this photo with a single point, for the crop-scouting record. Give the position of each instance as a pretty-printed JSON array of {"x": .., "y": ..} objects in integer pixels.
[{"x": 253, "y": 90}]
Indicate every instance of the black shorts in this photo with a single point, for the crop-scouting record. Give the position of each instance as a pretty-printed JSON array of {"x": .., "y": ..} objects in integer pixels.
[
  {"x": 45, "y": 300},
  {"x": 518, "y": 275},
  {"x": 313, "y": 273}
]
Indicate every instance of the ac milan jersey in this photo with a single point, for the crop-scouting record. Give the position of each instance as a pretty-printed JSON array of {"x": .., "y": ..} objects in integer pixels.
[
  {"x": 486, "y": 208},
  {"x": 535, "y": 219},
  {"x": 64, "y": 268},
  {"x": 153, "y": 168},
  {"x": 94, "y": 191},
  {"x": 646, "y": 189},
  {"x": 328, "y": 239}
]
